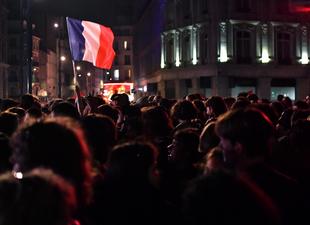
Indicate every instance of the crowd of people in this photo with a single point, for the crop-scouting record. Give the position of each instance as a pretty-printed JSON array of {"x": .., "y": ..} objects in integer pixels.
[{"x": 193, "y": 161}]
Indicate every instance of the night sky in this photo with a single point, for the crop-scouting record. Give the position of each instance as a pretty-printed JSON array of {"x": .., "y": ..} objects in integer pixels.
[{"x": 105, "y": 11}]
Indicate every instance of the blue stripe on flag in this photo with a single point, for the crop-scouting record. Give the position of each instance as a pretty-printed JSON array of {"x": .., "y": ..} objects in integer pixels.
[{"x": 76, "y": 39}]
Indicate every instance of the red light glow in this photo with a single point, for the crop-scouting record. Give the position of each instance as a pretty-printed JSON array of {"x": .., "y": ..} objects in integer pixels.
[{"x": 302, "y": 9}]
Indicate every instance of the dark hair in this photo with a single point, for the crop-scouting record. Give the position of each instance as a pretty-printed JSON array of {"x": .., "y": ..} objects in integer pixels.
[
  {"x": 18, "y": 110},
  {"x": 156, "y": 122},
  {"x": 217, "y": 104},
  {"x": 250, "y": 127},
  {"x": 8, "y": 122},
  {"x": 65, "y": 109},
  {"x": 5, "y": 153},
  {"x": 40, "y": 197},
  {"x": 131, "y": 160},
  {"x": 51, "y": 145},
  {"x": 100, "y": 133},
  {"x": 208, "y": 138},
  {"x": 109, "y": 111},
  {"x": 184, "y": 110},
  {"x": 187, "y": 146},
  {"x": 223, "y": 198},
  {"x": 27, "y": 101}
]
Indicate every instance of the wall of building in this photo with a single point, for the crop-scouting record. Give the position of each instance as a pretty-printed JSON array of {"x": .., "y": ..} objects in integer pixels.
[
  {"x": 3, "y": 50},
  {"x": 222, "y": 47}
]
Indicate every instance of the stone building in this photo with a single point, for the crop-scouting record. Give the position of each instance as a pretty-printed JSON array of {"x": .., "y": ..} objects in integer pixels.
[
  {"x": 224, "y": 47},
  {"x": 3, "y": 50}
]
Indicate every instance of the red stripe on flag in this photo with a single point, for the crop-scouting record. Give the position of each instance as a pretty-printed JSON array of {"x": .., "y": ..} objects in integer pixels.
[{"x": 106, "y": 53}]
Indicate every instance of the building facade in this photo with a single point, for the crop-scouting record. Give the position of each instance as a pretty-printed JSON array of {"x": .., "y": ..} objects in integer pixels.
[
  {"x": 225, "y": 47},
  {"x": 3, "y": 50},
  {"x": 122, "y": 69}
]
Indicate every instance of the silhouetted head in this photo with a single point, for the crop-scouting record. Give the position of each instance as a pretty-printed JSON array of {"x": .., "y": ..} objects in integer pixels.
[
  {"x": 54, "y": 146},
  {"x": 244, "y": 134},
  {"x": 65, "y": 109},
  {"x": 36, "y": 198}
]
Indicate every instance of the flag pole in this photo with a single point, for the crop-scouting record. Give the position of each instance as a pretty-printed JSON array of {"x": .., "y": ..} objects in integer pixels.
[
  {"x": 78, "y": 99},
  {"x": 75, "y": 82}
]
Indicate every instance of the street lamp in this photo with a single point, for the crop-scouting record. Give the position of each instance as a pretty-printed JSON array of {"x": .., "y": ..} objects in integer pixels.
[
  {"x": 78, "y": 68},
  {"x": 62, "y": 58}
]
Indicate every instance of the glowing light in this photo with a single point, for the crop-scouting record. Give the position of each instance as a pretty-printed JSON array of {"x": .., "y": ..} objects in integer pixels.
[
  {"x": 223, "y": 54},
  {"x": 79, "y": 75},
  {"x": 162, "y": 61},
  {"x": 304, "y": 58},
  {"x": 145, "y": 88},
  {"x": 78, "y": 68},
  {"x": 42, "y": 93},
  {"x": 194, "y": 61},
  {"x": 302, "y": 9},
  {"x": 18, "y": 175},
  {"x": 56, "y": 25},
  {"x": 177, "y": 58},
  {"x": 116, "y": 74},
  {"x": 107, "y": 72},
  {"x": 125, "y": 45},
  {"x": 63, "y": 58},
  {"x": 101, "y": 84},
  {"x": 34, "y": 69},
  {"x": 265, "y": 56},
  {"x": 88, "y": 74}
]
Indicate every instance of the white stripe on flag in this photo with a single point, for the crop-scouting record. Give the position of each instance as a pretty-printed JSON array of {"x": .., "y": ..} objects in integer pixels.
[{"x": 91, "y": 34}]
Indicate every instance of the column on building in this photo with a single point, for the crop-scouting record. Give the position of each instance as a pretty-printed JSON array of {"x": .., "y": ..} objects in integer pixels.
[
  {"x": 163, "y": 53},
  {"x": 162, "y": 88},
  {"x": 198, "y": 44},
  {"x": 195, "y": 85},
  {"x": 265, "y": 50},
  {"x": 302, "y": 88},
  {"x": 223, "y": 43},
  {"x": 194, "y": 45},
  {"x": 180, "y": 88},
  {"x": 304, "y": 45},
  {"x": 177, "y": 48},
  {"x": 220, "y": 86},
  {"x": 271, "y": 40},
  {"x": 264, "y": 88}
]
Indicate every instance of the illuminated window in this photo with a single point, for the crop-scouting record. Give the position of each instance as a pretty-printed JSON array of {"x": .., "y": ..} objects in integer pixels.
[
  {"x": 286, "y": 87},
  {"x": 243, "y": 46},
  {"x": 116, "y": 74},
  {"x": 126, "y": 45}
]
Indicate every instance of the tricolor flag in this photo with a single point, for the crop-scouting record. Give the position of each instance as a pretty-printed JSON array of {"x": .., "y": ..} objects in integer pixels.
[{"x": 91, "y": 42}]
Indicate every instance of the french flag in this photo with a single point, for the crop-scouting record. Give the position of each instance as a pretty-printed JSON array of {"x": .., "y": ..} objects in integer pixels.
[{"x": 91, "y": 42}]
